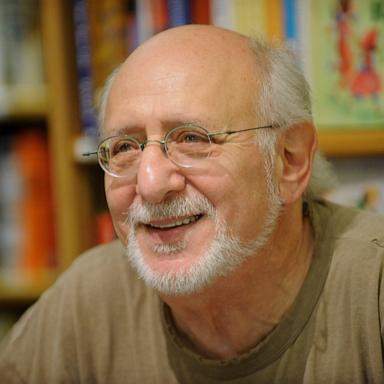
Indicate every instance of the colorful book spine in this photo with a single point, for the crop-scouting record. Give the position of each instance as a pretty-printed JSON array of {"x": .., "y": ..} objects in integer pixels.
[
  {"x": 84, "y": 68},
  {"x": 222, "y": 13},
  {"x": 105, "y": 231},
  {"x": 200, "y": 11},
  {"x": 160, "y": 15},
  {"x": 179, "y": 12},
  {"x": 144, "y": 20},
  {"x": 21, "y": 59},
  {"x": 36, "y": 206},
  {"x": 108, "y": 23},
  {"x": 251, "y": 17},
  {"x": 304, "y": 31},
  {"x": 290, "y": 21},
  {"x": 27, "y": 230},
  {"x": 274, "y": 17},
  {"x": 10, "y": 198}
]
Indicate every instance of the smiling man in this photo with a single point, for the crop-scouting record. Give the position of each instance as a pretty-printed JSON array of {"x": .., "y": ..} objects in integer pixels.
[
  {"x": 229, "y": 267},
  {"x": 179, "y": 206}
]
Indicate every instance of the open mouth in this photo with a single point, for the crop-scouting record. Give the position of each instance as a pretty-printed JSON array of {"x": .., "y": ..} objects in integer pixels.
[{"x": 170, "y": 224}]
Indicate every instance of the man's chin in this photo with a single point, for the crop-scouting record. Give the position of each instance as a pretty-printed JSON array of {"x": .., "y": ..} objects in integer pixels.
[
  {"x": 168, "y": 259},
  {"x": 190, "y": 263},
  {"x": 169, "y": 273}
]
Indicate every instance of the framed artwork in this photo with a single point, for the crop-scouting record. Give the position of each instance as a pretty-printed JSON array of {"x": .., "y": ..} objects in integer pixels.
[{"x": 347, "y": 75}]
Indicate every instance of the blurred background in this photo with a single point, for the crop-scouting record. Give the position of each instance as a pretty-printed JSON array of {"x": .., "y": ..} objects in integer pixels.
[{"x": 54, "y": 58}]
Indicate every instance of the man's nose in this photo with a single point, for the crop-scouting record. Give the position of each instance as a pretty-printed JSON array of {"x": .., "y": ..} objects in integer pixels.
[{"x": 157, "y": 176}]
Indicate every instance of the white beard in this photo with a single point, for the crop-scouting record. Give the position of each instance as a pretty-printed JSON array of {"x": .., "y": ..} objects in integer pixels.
[{"x": 224, "y": 255}]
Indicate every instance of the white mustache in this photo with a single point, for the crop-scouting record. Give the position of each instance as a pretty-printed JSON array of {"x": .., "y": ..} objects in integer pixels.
[{"x": 180, "y": 206}]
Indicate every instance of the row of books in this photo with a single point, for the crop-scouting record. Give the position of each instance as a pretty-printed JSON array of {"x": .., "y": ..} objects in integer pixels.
[
  {"x": 106, "y": 31},
  {"x": 27, "y": 231},
  {"x": 22, "y": 82},
  {"x": 27, "y": 213},
  {"x": 339, "y": 45}
]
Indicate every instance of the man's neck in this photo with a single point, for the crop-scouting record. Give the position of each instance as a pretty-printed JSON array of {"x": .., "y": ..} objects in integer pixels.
[{"x": 236, "y": 312}]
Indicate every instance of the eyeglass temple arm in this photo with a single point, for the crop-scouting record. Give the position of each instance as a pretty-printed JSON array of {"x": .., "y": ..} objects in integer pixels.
[
  {"x": 240, "y": 130},
  {"x": 89, "y": 154}
]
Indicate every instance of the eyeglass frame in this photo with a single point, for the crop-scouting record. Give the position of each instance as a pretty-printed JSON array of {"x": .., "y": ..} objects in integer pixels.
[{"x": 163, "y": 143}]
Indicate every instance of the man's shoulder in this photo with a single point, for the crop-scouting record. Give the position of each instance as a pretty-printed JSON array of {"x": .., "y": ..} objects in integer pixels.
[
  {"x": 109, "y": 255},
  {"x": 348, "y": 223},
  {"x": 351, "y": 303},
  {"x": 352, "y": 240},
  {"x": 97, "y": 262},
  {"x": 101, "y": 271}
]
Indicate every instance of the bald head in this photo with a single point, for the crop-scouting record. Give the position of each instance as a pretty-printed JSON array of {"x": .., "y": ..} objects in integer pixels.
[
  {"x": 198, "y": 61},
  {"x": 197, "y": 42}
]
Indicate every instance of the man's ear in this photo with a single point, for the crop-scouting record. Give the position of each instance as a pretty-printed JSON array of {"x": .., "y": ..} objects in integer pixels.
[{"x": 296, "y": 149}]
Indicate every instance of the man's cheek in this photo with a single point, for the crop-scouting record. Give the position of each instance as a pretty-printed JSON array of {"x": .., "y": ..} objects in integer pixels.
[
  {"x": 121, "y": 227},
  {"x": 119, "y": 210}
]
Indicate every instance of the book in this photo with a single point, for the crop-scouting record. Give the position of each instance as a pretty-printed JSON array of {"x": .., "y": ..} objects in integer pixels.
[
  {"x": 159, "y": 15},
  {"x": 303, "y": 39},
  {"x": 10, "y": 197},
  {"x": 222, "y": 14},
  {"x": 260, "y": 18},
  {"x": 22, "y": 77},
  {"x": 35, "y": 208},
  {"x": 250, "y": 17},
  {"x": 109, "y": 23},
  {"x": 84, "y": 69},
  {"x": 144, "y": 20},
  {"x": 179, "y": 12},
  {"x": 290, "y": 23},
  {"x": 105, "y": 231},
  {"x": 275, "y": 22},
  {"x": 200, "y": 11},
  {"x": 27, "y": 230}
]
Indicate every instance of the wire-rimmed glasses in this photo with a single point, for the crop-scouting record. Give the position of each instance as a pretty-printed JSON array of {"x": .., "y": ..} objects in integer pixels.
[{"x": 185, "y": 145}]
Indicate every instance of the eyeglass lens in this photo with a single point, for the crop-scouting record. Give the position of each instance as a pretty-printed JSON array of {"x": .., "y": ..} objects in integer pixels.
[{"x": 185, "y": 146}]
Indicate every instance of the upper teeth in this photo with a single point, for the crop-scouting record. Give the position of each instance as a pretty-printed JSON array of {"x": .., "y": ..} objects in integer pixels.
[{"x": 177, "y": 223}]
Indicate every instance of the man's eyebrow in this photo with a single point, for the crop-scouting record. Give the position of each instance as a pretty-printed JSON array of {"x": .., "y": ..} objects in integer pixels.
[
  {"x": 136, "y": 130},
  {"x": 126, "y": 130}
]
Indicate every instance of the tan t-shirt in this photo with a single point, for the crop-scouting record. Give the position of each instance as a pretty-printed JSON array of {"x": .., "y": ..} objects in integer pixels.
[{"x": 100, "y": 324}]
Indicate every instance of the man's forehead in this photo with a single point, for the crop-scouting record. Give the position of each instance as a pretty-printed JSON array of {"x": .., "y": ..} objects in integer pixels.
[
  {"x": 191, "y": 46},
  {"x": 195, "y": 39},
  {"x": 186, "y": 55}
]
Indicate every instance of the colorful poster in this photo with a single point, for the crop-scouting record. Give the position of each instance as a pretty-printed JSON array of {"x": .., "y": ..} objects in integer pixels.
[{"x": 348, "y": 64}]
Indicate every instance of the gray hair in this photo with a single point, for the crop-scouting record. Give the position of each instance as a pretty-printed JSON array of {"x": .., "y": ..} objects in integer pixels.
[{"x": 283, "y": 99}]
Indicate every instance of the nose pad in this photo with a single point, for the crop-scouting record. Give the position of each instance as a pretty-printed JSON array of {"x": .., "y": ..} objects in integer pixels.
[
  {"x": 157, "y": 176},
  {"x": 161, "y": 142}
]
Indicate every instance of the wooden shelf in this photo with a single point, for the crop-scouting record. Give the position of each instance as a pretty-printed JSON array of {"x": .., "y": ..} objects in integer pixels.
[
  {"x": 72, "y": 187},
  {"x": 23, "y": 100},
  {"x": 359, "y": 143},
  {"x": 25, "y": 288}
]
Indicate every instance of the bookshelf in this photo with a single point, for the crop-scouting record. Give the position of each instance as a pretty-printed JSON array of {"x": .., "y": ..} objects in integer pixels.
[
  {"x": 71, "y": 180},
  {"x": 51, "y": 107}
]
